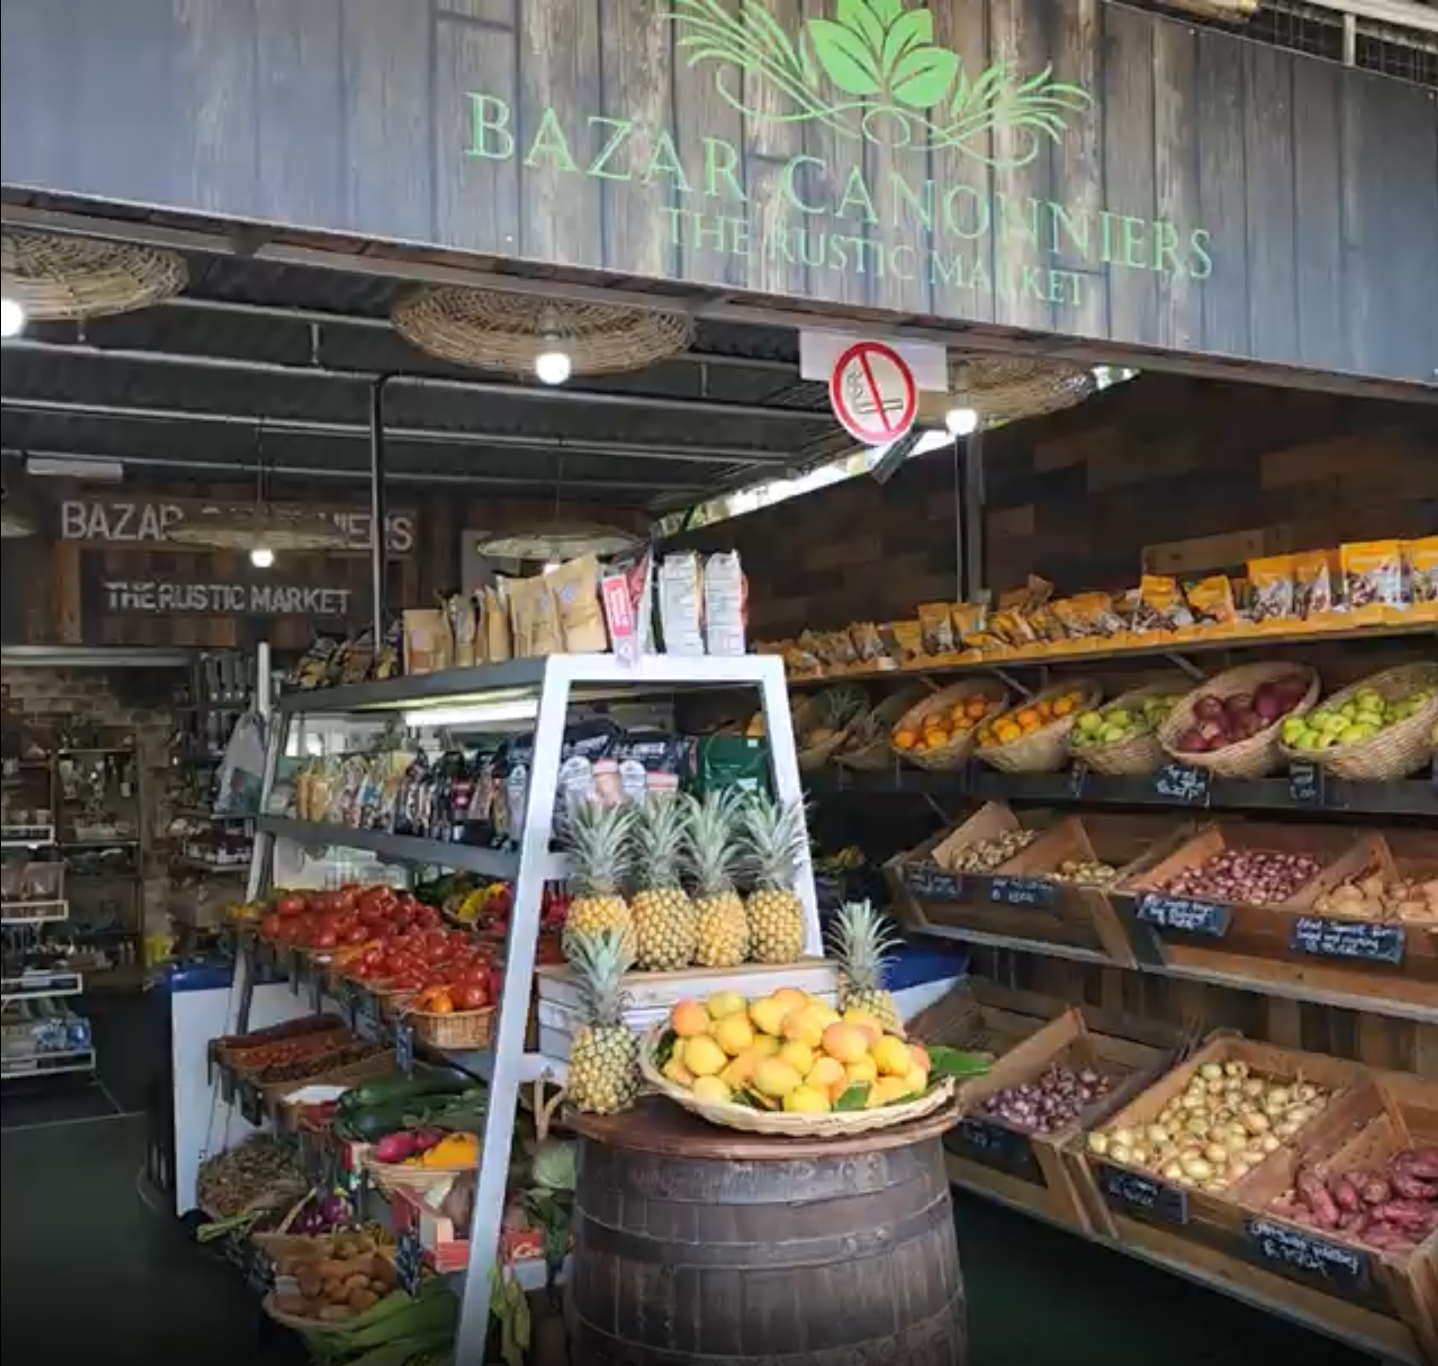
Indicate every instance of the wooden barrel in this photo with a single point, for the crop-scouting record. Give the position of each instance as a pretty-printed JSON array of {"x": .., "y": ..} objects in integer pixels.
[{"x": 698, "y": 1244}]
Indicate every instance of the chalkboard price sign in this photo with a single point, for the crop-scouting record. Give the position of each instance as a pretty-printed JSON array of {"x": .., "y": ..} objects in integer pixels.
[
  {"x": 929, "y": 882},
  {"x": 295, "y": 970},
  {"x": 1035, "y": 892},
  {"x": 1183, "y": 784},
  {"x": 1305, "y": 783},
  {"x": 260, "y": 1271},
  {"x": 404, "y": 1047},
  {"x": 995, "y": 1145},
  {"x": 252, "y": 1103},
  {"x": 368, "y": 1024},
  {"x": 1078, "y": 777},
  {"x": 409, "y": 1262},
  {"x": 1208, "y": 918},
  {"x": 1352, "y": 940},
  {"x": 1298, "y": 1249},
  {"x": 1145, "y": 1196}
]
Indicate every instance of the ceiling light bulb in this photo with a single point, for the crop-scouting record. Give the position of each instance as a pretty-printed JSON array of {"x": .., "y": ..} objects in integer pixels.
[
  {"x": 12, "y": 317},
  {"x": 552, "y": 365},
  {"x": 262, "y": 557},
  {"x": 961, "y": 421}
]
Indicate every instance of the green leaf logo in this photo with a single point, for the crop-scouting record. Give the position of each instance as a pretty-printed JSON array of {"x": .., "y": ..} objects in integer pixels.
[{"x": 880, "y": 56}]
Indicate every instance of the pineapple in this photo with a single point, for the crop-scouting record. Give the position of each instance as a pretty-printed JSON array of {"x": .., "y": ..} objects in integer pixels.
[
  {"x": 604, "y": 1057},
  {"x": 663, "y": 913},
  {"x": 598, "y": 847},
  {"x": 776, "y": 839},
  {"x": 721, "y": 931},
  {"x": 861, "y": 942}
]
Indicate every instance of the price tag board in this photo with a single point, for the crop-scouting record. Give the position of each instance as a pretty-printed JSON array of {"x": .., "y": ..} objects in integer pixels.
[
  {"x": 212, "y": 1060},
  {"x": 252, "y": 1103},
  {"x": 317, "y": 988},
  {"x": 409, "y": 1262},
  {"x": 1208, "y": 918},
  {"x": 404, "y": 1047},
  {"x": 994, "y": 1145},
  {"x": 1183, "y": 784},
  {"x": 1038, "y": 893},
  {"x": 1351, "y": 940},
  {"x": 1305, "y": 783},
  {"x": 1144, "y": 1196},
  {"x": 1298, "y": 1249},
  {"x": 368, "y": 1022},
  {"x": 262, "y": 953},
  {"x": 295, "y": 970},
  {"x": 259, "y": 1271},
  {"x": 227, "y": 1083},
  {"x": 1077, "y": 779},
  {"x": 929, "y": 882}
]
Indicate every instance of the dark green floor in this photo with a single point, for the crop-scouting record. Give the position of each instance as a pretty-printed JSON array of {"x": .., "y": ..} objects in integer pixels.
[{"x": 92, "y": 1276}]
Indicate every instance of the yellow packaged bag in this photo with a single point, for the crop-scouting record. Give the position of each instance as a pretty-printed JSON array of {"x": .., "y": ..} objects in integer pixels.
[
  {"x": 1211, "y": 601},
  {"x": 1372, "y": 575},
  {"x": 1272, "y": 589},
  {"x": 1421, "y": 558}
]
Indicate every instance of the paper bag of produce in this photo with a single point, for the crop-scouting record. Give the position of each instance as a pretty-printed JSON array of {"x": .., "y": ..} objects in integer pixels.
[
  {"x": 428, "y": 646},
  {"x": 498, "y": 642},
  {"x": 726, "y": 593},
  {"x": 575, "y": 588},
  {"x": 681, "y": 604}
]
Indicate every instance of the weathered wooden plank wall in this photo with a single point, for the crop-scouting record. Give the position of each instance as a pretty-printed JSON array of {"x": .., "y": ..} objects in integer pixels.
[
  {"x": 1078, "y": 496},
  {"x": 576, "y": 133}
]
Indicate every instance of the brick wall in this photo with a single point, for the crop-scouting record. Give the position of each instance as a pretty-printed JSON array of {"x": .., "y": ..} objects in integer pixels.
[
  {"x": 118, "y": 702},
  {"x": 1186, "y": 475}
]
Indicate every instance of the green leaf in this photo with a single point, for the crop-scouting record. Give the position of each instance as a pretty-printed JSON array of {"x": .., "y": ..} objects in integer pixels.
[
  {"x": 665, "y": 1050},
  {"x": 951, "y": 1062},
  {"x": 923, "y": 78},
  {"x": 859, "y": 18},
  {"x": 845, "y": 59},
  {"x": 888, "y": 11},
  {"x": 854, "y": 1097},
  {"x": 914, "y": 29},
  {"x": 984, "y": 91}
]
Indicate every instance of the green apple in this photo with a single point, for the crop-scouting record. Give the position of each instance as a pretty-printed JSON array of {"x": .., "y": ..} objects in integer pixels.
[{"x": 1090, "y": 723}]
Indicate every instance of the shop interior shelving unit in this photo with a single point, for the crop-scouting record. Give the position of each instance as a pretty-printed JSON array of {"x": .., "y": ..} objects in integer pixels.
[{"x": 549, "y": 686}]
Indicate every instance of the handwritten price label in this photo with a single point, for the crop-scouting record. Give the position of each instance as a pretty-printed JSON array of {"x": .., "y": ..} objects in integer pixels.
[
  {"x": 1037, "y": 893},
  {"x": 1353, "y": 940},
  {"x": 1183, "y": 784},
  {"x": 1297, "y": 1249},
  {"x": 1208, "y": 918},
  {"x": 929, "y": 882},
  {"x": 1143, "y": 1195}
]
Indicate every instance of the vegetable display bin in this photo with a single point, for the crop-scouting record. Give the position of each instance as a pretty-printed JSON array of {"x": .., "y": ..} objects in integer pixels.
[
  {"x": 1023, "y": 898},
  {"x": 988, "y": 1153},
  {"x": 1390, "y": 1114}
]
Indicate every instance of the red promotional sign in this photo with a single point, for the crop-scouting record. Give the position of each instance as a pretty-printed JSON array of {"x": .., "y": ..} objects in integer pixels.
[{"x": 872, "y": 392}]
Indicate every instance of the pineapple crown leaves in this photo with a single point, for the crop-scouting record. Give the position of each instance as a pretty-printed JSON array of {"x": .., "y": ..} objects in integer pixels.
[
  {"x": 863, "y": 940},
  {"x": 775, "y": 838},
  {"x": 663, "y": 840},
  {"x": 599, "y": 962},
  {"x": 598, "y": 842},
  {"x": 715, "y": 852}
]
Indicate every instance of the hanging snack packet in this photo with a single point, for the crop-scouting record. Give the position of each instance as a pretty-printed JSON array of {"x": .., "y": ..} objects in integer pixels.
[
  {"x": 681, "y": 604},
  {"x": 1313, "y": 593},
  {"x": 1160, "y": 605},
  {"x": 1273, "y": 588},
  {"x": 1211, "y": 601},
  {"x": 427, "y": 642},
  {"x": 936, "y": 628},
  {"x": 1422, "y": 560},
  {"x": 726, "y": 593},
  {"x": 460, "y": 613},
  {"x": 575, "y": 587},
  {"x": 498, "y": 641},
  {"x": 1372, "y": 574}
]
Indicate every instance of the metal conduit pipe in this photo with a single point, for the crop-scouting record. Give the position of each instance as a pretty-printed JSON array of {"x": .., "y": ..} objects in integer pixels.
[
  {"x": 419, "y": 436},
  {"x": 488, "y": 388},
  {"x": 222, "y": 469}
]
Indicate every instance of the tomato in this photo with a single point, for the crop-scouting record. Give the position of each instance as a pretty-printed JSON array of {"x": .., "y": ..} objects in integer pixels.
[
  {"x": 292, "y": 903},
  {"x": 470, "y": 996},
  {"x": 355, "y": 934},
  {"x": 326, "y": 939},
  {"x": 427, "y": 917},
  {"x": 347, "y": 898},
  {"x": 440, "y": 1004},
  {"x": 270, "y": 926}
]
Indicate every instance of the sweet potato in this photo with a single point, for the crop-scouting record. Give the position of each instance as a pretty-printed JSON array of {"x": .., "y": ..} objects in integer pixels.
[
  {"x": 1405, "y": 1213},
  {"x": 1376, "y": 1190},
  {"x": 1410, "y": 1187},
  {"x": 1324, "y": 1206},
  {"x": 1347, "y": 1195},
  {"x": 1353, "y": 1223},
  {"x": 1422, "y": 1163}
]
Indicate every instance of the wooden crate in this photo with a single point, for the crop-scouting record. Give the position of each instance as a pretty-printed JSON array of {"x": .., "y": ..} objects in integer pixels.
[
  {"x": 1259, "y": 941},
  {"x": 1021, "y": 899},
  {"x": 1393, "y": 1111},
  {"x": 986, "y": 1153}
]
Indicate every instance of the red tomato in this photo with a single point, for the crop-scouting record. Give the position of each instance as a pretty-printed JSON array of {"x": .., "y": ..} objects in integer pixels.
[
  {"x": 347, "y": 898},
  {"x": 326, "y": 939},
  {"x": 292, "y": 903},
  {"x": 469, "y": 996},
  {"x": 427, "y": 917},
  {"x": 270, "y": 926},
  {"x": 355, "y": 934}
]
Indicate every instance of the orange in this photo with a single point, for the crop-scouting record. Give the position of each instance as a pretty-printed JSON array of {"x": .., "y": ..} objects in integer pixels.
[
  {"x": 975, "y": 707},
  {"x": 1064, "y": 705},
  {"x": 1006, "y": 732},
  {"x": 957, "y": 712},
  {"x": 904, "y": 739},
  {"x": 1028, "y": 717},
  {"x": 964, "y": 723}
]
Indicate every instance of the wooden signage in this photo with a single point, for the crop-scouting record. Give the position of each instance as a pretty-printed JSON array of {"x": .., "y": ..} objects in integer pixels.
[
  {"x": 1183, "y": 784},
  {"x": 1144, "y": 1196},
  {"x": 929, "y": 882},
  {"x": 1351, "y": 940},
  {"x": 1095, "y": 171},
  {"x": 146, "y": 523},
  {"x": 1292, "y": 1248},
  {"x": 1012, "y": 890},
  {"x": 1185, "y": 914}
]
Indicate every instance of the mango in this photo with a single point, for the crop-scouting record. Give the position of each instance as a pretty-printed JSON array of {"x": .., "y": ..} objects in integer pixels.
[
  {"x": 722, "y": 1004},
  {"x": 703, "y": 1056},
  {"x": 734, "y": 1034},
  {"x": 689, "y": 1019}
]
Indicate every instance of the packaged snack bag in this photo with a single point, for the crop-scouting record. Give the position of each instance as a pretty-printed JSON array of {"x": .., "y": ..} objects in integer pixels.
[
  {"x": 1372, "y": 574},
  {"x": 868, "y": 644},
  {"x": 1088, "y": 615},
  {"x": 1160, "y": 605},
  {"x": 1273, "y": 588},
  {"x": 725, "y": 604},
  {"x": 681, "y": 604},
  {"x": 907, "y": 640},
  {"x": 575, "y": 588},
  {"x": 627, "y": 589},
  {"x": 533, "y": 618},
  {"x": 498, "y": 642},
  {"x": 459, "y": 611},
  {"x": 1422, "y": 560},
  {"x": 1313, "y": 584},
  {"x": 936, "y": 628},
  {"x": 428, "y": 646},
  {"x": 1211, "y": 601}
]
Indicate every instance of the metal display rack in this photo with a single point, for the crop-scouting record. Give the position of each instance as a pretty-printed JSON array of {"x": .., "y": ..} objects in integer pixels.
[{"x": 550, "y": 686}]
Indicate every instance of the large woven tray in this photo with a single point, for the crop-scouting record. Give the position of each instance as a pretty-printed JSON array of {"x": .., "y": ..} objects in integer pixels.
[{"x": 784, "y": 1124}]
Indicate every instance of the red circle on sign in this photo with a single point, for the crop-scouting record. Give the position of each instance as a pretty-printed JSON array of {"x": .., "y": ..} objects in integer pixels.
[{"x": 862, "y": 393}]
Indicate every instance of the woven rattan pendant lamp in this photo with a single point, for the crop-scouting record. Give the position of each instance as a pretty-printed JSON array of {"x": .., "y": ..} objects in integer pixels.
[
  {"x": 557, "y": 542},
  {"x": 511, "y": 332},
  {"x": 54, "y": 277},
  {"x": 260, "y": 528},
  {"x": 1003, "y": 388},
  {"x": 14, "y": 524}
]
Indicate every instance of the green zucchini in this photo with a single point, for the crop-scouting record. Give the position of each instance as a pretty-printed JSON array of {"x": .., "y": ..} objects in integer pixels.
[{"x": 431, "y": 1082}]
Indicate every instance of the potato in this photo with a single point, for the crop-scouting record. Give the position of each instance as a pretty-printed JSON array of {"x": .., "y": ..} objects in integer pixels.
[
  {"x": 310, "y": 1281},
  {"x": 334, "y": 1291},
  {"x": 357, "y": 1281},
  {"x": 292, "y": 1304},
  {"x": 384, "y": 1273},
  {"x": 361, "y": 1299},
  {"x": 334, "y": 1269},
  {"x": 336, "y": 1313}
]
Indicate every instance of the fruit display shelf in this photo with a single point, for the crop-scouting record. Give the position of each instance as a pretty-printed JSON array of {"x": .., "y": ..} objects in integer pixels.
[{"x": 1303, "y": 789}]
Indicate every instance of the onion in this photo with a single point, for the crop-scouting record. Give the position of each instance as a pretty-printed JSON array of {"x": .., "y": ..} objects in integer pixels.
[
  {"x": 1173, "y": 1172},
  {"x": 1305, "y": 1093},
  {"x": 1211, "y": 1071},
  {"x": 1198, "y": 1170},
  {"x": 1098, "y": 1143},
  {"x": 1253, "y": 1087},
  {"x": 1270, "y": 1143},
  {"x": 1256, "y": 1122},
  {"x": 1122, "y": 1138},
  {"x": 1236, "y": 1068},
  {"x": 1120, "y": 1153},
  {"x": 1156, "y": 1133},
  {"x": 1217, "y": 1154}
]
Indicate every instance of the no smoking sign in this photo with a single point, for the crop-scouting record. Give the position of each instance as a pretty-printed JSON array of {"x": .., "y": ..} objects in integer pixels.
[{"x": 873, "y": 393}]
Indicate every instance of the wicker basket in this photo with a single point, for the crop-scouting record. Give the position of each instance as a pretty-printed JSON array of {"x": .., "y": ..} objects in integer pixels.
[
  {"x": 1046, "y": 749},
  {"x": 457, "y": 1029},
  {"x": 876, "y": 755},
  {"x": 57, "y": 277},
  {"x": 816, "y": 756},
  {"x": 957, "y": 750},
  {"x": 783, "y": 1123},
  {"x": 1136, "y": 755},
  {"x": 1397, "y": 750},
  {"x": 1260, "y": 754}
]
